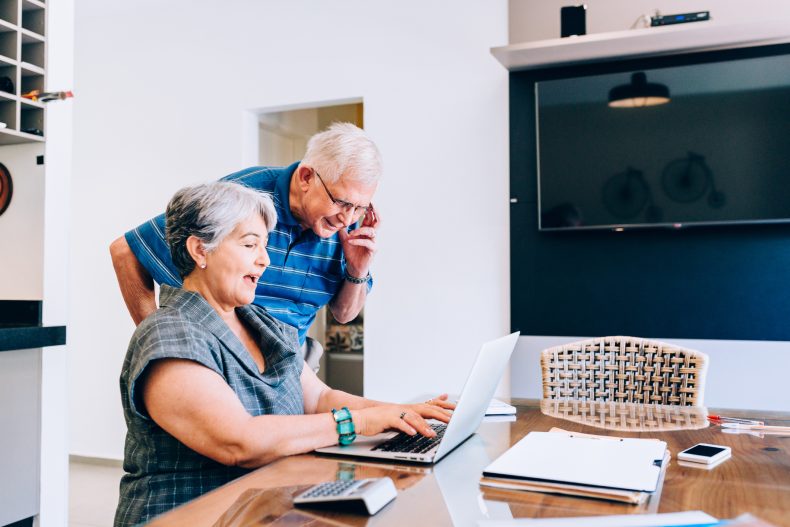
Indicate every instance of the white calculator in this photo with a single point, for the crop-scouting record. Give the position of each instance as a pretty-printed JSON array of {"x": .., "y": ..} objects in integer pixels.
[{"x": 369, "y": 495}]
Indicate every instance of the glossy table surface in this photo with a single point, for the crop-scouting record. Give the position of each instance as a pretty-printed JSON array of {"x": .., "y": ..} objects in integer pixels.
[{"x": 756, "y": 479}]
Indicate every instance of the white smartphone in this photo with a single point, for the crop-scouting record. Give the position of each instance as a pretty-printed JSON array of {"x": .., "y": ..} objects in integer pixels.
[{"x": 705, "y": 453}]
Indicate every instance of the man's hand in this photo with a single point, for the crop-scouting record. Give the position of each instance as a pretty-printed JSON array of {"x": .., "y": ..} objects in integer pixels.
[{"x": 359, "y": 245}]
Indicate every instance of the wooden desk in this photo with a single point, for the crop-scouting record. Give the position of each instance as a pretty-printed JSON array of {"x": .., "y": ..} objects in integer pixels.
[{"x": 756, "y": 479}]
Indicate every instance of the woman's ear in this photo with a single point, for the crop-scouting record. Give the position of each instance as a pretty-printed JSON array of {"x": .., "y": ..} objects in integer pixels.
[{"x": 197, "y": 251}]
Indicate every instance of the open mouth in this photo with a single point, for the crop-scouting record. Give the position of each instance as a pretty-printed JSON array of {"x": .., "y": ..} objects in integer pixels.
[{"x": 251, "y": 279}]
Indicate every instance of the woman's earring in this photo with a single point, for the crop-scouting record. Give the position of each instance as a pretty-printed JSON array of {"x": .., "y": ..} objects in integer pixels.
[{"x": 202, "y": 266}]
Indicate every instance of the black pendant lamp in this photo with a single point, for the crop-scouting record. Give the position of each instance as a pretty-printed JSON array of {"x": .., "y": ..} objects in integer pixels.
[{"x": 638, "y": 93}]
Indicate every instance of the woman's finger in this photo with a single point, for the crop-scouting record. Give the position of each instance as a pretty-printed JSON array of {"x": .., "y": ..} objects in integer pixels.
[
  {"x": 403, "y": 426},
  {"x": 419, "y": 424},
  {"x": 444, "y": 404},
  {"x": 434, "y": 412},
  {"x": 442, "y": 416},
  {"x": 400, "y": 423}
]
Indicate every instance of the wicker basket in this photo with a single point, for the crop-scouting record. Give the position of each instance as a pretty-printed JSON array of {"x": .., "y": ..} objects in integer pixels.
[{"x": 624, "y": 369}]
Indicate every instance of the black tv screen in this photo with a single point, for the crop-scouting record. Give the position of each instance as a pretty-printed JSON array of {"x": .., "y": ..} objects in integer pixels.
[{"x": 717, "y": 152}]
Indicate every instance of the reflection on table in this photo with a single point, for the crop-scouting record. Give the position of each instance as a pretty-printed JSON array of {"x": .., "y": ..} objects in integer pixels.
[
  {"x": 441, "y": 494},
  {"x": 756, "y": 479},
  {"x": 627, "y": 417}
]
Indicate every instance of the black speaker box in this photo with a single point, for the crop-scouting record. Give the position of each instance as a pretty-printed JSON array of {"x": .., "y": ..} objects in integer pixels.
[{"x": 573, "y": 20}]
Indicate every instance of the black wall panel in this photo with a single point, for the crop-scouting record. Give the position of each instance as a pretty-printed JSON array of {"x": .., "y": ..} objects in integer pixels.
[{"x": 728, "y": 282}]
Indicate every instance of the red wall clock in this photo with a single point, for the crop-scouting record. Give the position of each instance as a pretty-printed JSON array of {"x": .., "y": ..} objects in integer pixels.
[{"x": 6, "y": 188}]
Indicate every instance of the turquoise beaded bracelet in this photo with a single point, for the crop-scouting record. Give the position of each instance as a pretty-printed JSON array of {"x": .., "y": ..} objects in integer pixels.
[{"x": 345, "y": 426}]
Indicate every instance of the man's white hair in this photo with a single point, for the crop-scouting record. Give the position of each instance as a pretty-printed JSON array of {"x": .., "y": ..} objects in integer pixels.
[{"x": 344, "y": 150}]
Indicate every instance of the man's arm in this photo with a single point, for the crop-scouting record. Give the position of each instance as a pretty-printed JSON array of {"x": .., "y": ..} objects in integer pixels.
[
  {"x": 348, "y": 302},
  {"x": 137, "y": 286}
]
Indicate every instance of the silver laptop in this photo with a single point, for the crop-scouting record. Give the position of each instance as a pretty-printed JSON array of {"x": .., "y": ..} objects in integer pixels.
[{"x": 469, "y": 412}]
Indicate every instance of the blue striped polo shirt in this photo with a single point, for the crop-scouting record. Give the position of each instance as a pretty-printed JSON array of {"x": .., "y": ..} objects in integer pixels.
[{"x": 306, "y": 271}]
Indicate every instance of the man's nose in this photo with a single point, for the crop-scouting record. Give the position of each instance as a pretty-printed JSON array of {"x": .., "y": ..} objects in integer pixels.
[{"x": 346, "y": 217}]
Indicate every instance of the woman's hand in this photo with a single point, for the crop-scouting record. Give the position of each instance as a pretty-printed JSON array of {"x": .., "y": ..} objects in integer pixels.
[
  {"x": 409, "y": 418},
  {"x": 441, "y": 401}
]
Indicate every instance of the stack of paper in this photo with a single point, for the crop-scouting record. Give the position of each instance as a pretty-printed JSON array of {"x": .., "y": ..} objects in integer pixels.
[
  {"x": 497, "y": 407},
  {"x": 620, "y": 469},
  {"x": 675, "y": 519}
]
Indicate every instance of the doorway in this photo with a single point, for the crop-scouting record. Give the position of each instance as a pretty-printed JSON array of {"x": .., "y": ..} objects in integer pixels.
[{"x": 282, "y": 140}]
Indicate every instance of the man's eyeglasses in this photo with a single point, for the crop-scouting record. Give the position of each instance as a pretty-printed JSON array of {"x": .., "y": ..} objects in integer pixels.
[{"x": 349, "y": 208}]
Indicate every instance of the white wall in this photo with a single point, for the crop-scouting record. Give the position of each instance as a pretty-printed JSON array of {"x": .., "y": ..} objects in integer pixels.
[
  {"x": 57, "y": 204},
  {"x": 738, "y": 377},
  {"x": 22, "y": 225},
  {"x": 163, "y": 93}
]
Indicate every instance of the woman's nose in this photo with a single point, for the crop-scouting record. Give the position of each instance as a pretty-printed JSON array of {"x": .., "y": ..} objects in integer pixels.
[{"x": 263, "y": 258}]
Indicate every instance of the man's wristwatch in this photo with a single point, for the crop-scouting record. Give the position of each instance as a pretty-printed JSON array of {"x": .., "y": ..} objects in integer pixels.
[
  {"x": 345, "y": 426},
  {"x": 353, "y": 279}
]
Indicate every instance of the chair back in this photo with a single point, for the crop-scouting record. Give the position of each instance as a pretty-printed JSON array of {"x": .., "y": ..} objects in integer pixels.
[{"x": 624, "y": 369}]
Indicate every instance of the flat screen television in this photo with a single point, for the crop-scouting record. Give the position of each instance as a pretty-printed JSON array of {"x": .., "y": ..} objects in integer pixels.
[{"x": 717, "y": 151}]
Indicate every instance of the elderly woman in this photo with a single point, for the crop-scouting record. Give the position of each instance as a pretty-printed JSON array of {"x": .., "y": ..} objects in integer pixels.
[{"x": 213, "y": 386}]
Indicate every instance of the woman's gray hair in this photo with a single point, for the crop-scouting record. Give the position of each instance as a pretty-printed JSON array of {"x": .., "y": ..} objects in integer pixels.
[
  {"x": 210, "y": 211},
  {"x": 344, "y": 150}
]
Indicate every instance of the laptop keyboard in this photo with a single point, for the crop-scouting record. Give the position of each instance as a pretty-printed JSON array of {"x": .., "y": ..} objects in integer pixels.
[{"x": 416, "y": 444}]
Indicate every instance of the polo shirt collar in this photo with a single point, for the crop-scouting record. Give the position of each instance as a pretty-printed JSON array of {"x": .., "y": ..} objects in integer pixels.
[{"x": 282, "y": 192}]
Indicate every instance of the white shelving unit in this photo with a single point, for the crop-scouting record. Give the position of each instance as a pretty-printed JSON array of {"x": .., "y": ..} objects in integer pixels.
[
  {"x": 23, "y": 63},
  {"x": 636, "y": 43}
]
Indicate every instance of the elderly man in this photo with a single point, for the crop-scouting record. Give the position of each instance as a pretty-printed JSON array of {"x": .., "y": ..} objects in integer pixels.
[{"x": 315, "y": 259}]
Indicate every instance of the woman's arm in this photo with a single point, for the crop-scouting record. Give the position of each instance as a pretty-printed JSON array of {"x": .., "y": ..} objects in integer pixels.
[
  {"x": 319, "y": 398},
  {"x": 196, "y": 406},
  {"x": 372, "y": 417}
]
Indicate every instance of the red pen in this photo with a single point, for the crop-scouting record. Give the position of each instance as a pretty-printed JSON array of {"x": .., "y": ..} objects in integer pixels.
[{"x": 718, "y": 419}]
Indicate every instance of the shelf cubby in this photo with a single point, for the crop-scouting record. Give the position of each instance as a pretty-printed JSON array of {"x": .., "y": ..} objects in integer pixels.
[
  {"x": 9, "y": 11},
  {"x": 32, "y": 4},
  {"x": 30, "y": 119},
  {"x": 9, "y": 71},
  {"x": 23, "y": 25},
  {"x": 33, "y": 53},
  {"x": 31, "y": 81},
  {"x": 8, "y": 41},
  {"x": 34, "y": 20},
  {"x": 8, "y": 113}
]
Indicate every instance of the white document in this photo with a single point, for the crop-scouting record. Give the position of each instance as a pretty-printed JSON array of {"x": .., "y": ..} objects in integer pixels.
[
  {"x": 623, "y": 520},
  {"x": 631, "y": 464},
  {"x": 496, "y": 407}
]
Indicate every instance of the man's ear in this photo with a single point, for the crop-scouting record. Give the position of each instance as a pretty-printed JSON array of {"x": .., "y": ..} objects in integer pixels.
[
  {"x": 304, "y": 176},
  {"x": 197, "y": 250}
]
